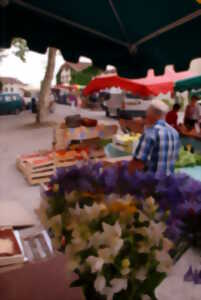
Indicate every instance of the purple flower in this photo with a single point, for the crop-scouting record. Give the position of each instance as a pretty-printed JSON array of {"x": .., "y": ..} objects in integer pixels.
[
  {"x": 193, "y": 276},
  {"x": 196, "y": 277},
  {"x": 189, "y": 277}
]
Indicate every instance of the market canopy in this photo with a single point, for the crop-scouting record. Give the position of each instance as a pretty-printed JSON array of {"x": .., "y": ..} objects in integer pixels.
[
  {"x": 188, "y": 84},
  {"x": 145, "y": 87},
  {"x": 132, "y": 35},
  {"x": 105, "y": 82}
]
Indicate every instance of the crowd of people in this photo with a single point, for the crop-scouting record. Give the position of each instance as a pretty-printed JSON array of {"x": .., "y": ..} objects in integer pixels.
[{"x": 192, "y": 115}]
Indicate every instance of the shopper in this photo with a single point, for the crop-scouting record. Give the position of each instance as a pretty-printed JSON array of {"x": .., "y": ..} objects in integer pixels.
[
  {"x": 158, "y": 147},
  {"x": 172, "y": 116}
]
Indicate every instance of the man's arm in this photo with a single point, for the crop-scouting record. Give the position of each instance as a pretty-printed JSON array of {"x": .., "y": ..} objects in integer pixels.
[
  {"x": 136, "y": 165},
  {"x": 142, "y": 152}
]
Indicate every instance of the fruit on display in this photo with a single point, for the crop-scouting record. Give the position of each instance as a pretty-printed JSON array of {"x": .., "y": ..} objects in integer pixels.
[{"x": 126, "y": 142}]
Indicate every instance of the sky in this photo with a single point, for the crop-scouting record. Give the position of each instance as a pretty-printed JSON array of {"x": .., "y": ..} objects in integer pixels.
[{"x": 32, "y": 71}]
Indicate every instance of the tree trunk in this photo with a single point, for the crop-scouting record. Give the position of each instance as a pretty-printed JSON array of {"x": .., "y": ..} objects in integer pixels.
[{"x": 45, "y": 87}]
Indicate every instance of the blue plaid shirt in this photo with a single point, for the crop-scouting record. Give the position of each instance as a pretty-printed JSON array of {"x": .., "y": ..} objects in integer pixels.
[{"x": 159, "y": 147}]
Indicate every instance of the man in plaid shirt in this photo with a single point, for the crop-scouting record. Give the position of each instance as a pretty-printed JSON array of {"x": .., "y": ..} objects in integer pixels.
[{"x": 158, "y": 147}]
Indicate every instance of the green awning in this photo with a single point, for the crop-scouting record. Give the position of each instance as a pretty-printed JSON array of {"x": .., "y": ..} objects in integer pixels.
[
  {"x": 188, "y": 84},
  {"x": 132, "y": 35},
  {"x": 196, "y": 93}
]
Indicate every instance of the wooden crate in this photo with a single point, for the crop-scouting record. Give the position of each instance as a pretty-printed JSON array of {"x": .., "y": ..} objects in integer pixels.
[
  {"x": 40, "y": 170},
  {"x": 23, "y": 159},
  {"x": 37, "y": 167},
  {"x": 66, "y": 158}
]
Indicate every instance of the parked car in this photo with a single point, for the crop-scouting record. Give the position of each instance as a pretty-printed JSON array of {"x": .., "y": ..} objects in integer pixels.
[{"x": 11, "y": 103}]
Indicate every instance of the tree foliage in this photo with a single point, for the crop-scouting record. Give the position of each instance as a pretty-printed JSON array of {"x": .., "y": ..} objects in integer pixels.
[
  {"x": 84, "y": 77},
  {"x": 21, "y": 48}
]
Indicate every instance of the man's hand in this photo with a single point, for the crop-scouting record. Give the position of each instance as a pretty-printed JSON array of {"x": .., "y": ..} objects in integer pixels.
[{"x": 136, "y": 165}]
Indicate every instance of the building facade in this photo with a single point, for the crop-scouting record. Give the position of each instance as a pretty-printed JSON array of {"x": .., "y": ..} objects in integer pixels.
[{"x": 12, "y": 85}]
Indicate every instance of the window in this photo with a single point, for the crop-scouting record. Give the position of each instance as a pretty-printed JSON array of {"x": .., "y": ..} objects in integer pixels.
[
  {"x": 11, "y": 89},
  {"x": 7, "y": 98}
]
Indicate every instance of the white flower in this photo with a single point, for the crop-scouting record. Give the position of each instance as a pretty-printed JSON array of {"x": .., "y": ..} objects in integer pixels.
[
  {"x": 111, "y": 236},
  {"x": 111, "y": 230},
  {"x": 116, "y": 245},
  {"x": 106, "y": 254},
  {"x": 155, "y": 232},
  {"x": 94, "y": 211},
  {"x": 117, "y": 285},
  {"x": 100, "y": 283},
  {"x": 165, "y": 261},
  {"x": 145, "y": 297},
  {"x": 97, "y": 240},
  {"x": 96, "y": 263},
  {"x": 141, "y": 274}
]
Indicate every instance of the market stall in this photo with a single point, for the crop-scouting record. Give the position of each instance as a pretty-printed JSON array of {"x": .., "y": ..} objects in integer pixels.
[
  {"x": 75, "y": 140},
  {"x": 149, "y": 86},
  {"x": 121, "y": 232}
]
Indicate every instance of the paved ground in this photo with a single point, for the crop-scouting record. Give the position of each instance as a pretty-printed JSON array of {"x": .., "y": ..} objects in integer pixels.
[{"x": 17, "y": 199}]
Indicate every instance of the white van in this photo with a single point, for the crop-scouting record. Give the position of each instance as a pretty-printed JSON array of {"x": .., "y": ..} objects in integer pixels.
[
  {"x": 124, "y": 105},
  {"x": 115, "y": 102}
]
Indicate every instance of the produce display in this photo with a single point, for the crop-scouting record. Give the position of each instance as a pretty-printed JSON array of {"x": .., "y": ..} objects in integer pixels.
[
  {"x": 63, "y": 136},
  {"x": 188, "y": 159},
  {"x": 126, "y": 142}
]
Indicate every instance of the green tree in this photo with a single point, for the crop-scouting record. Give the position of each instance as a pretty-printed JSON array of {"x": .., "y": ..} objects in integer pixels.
[
  {"x": 85, "y": 76},
  {"x": 21, "y": 48},
  {"x": 1, "y": 86}
]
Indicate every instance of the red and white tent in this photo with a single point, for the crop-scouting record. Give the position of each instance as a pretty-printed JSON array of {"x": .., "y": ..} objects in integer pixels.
[{"x": 144, "y": 87}]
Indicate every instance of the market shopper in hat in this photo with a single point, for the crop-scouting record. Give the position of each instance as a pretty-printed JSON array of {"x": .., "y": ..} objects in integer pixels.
[{"x": 158, "y": 147}]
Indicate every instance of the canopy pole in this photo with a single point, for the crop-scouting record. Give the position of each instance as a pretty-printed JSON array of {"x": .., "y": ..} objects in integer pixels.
[
  {"x": 118, "y": 19},
  {"x": 69, "y": 22}
]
